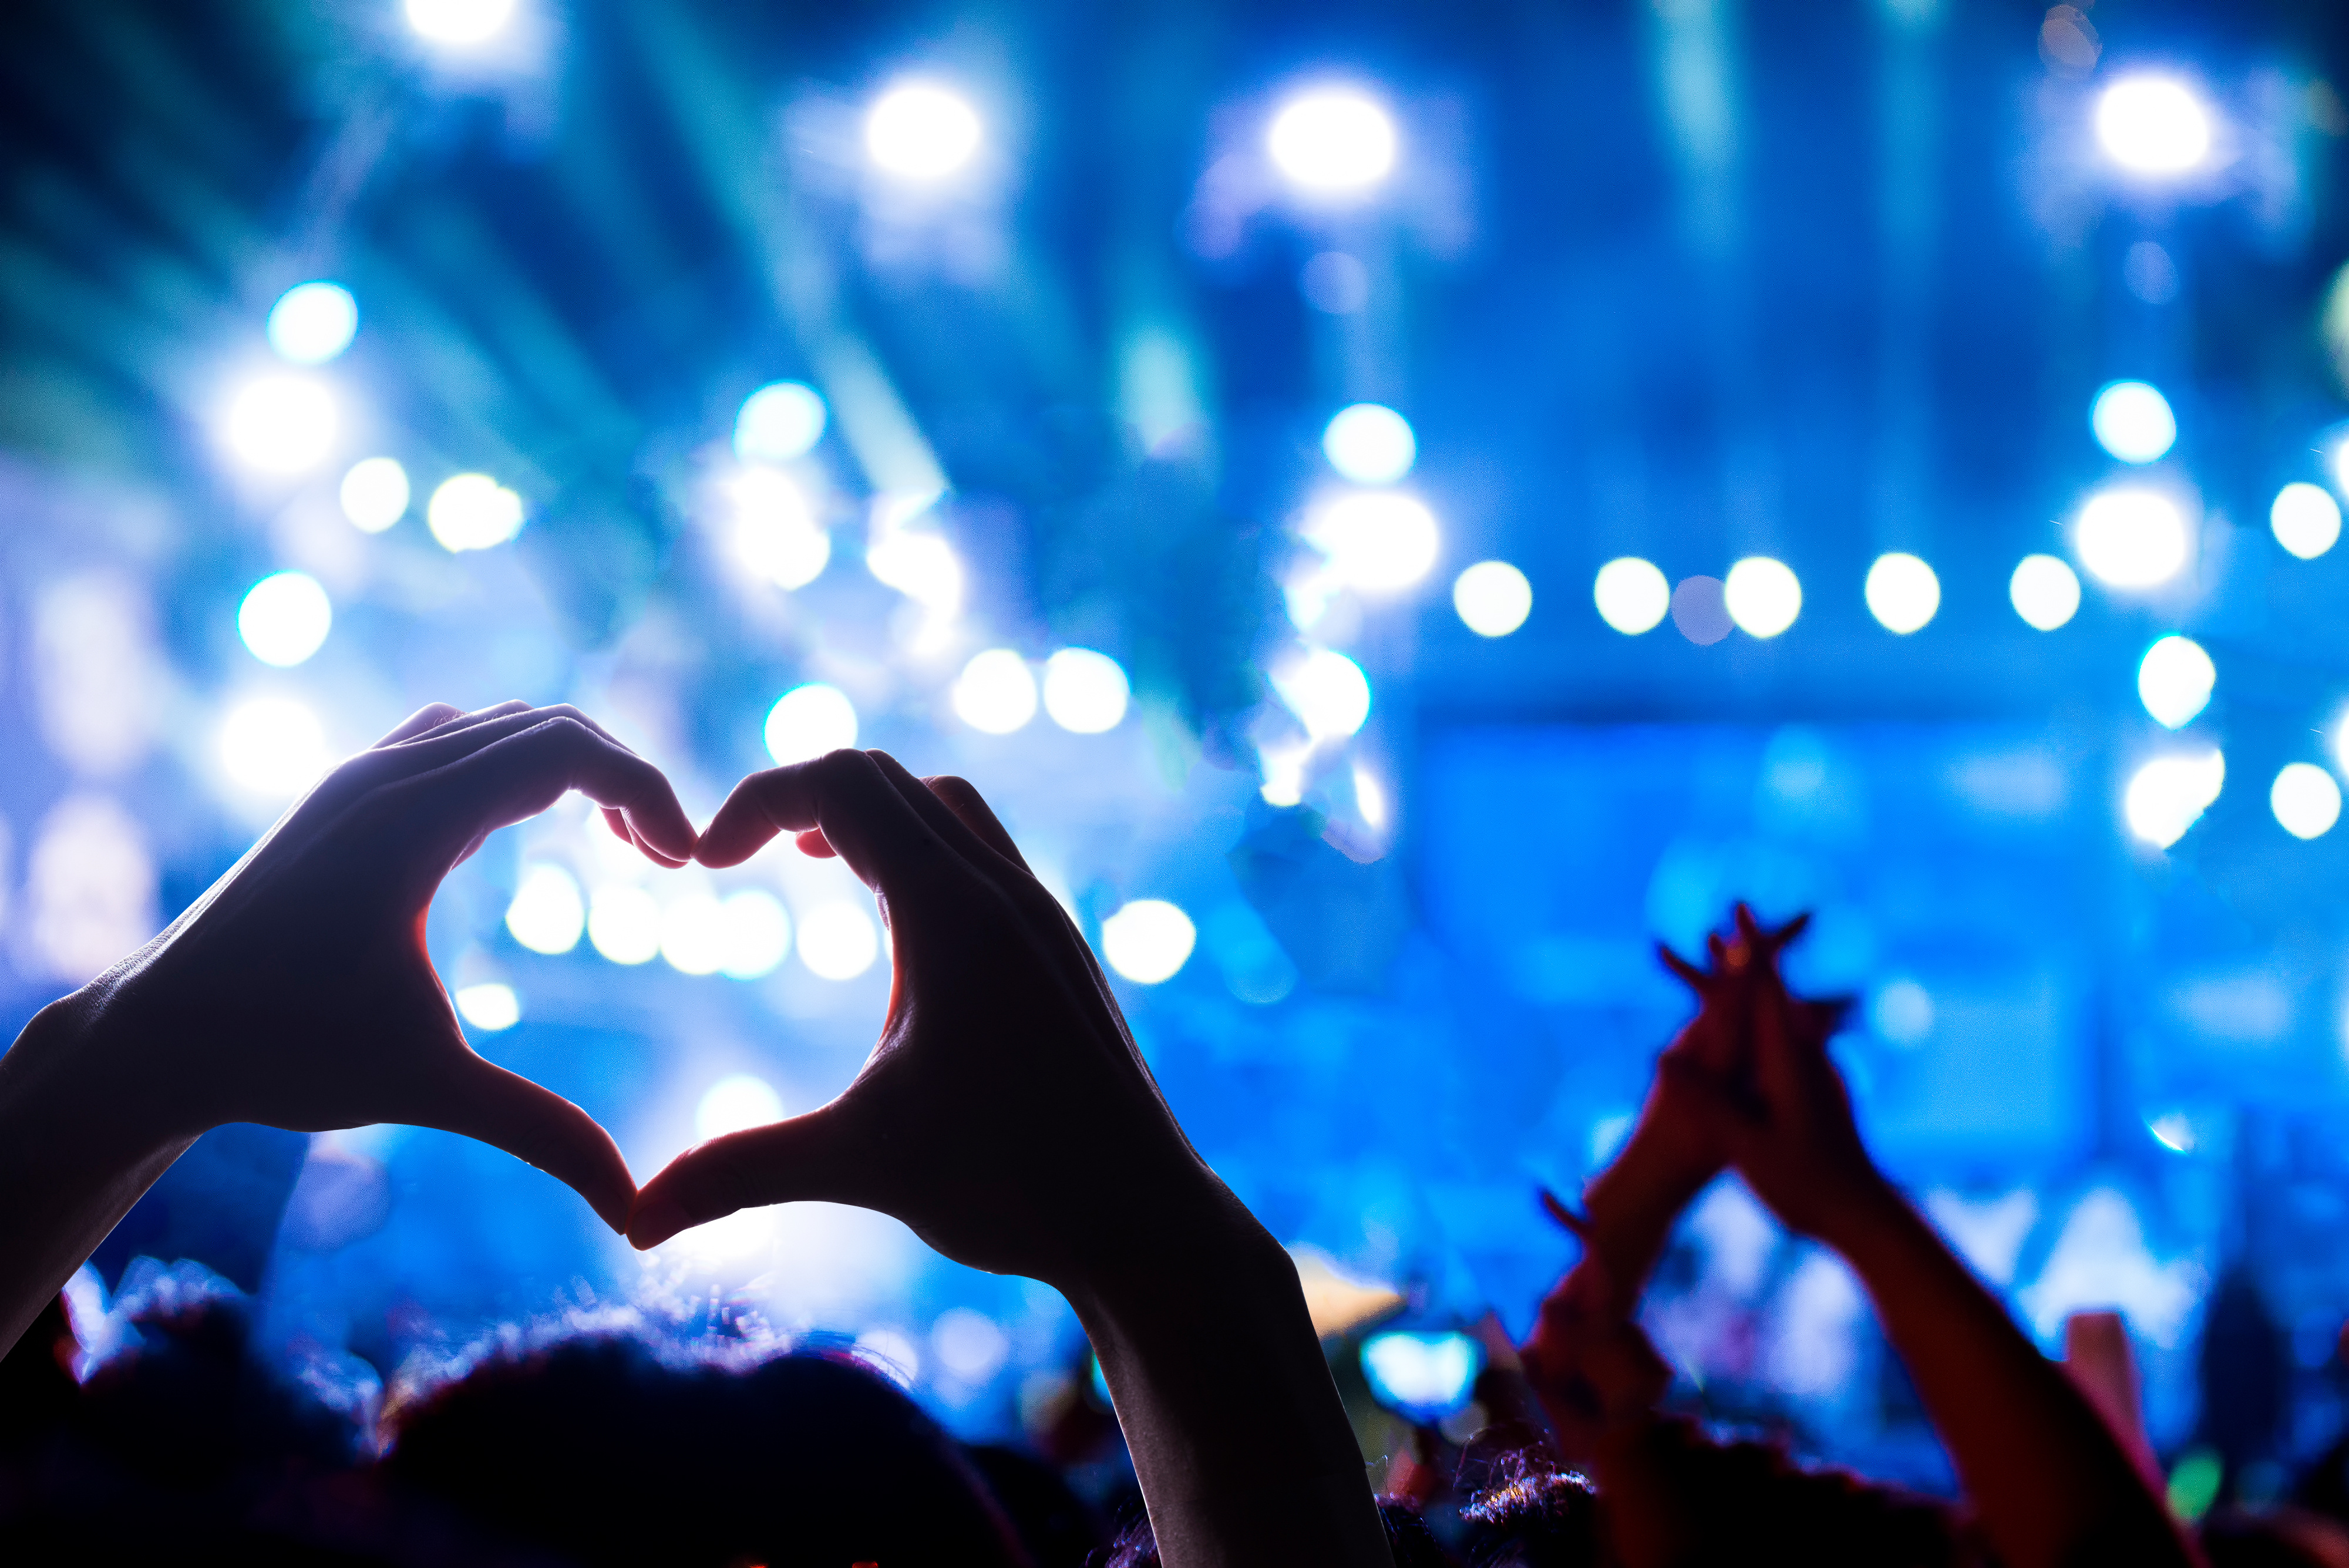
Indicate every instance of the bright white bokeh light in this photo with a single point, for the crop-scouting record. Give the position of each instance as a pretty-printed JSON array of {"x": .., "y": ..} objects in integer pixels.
[
  {"x": 624, "y": 924},
  {"x": 809, "y": 721},
  {"x": 996, "y": 693},
  {"x": 919, "y": 564},
  {"x": 472, "y": 512},
  {"x": 1632, "y": 594},
  {"x": 1370, "y": 443},
  {"x": 921, "y": 132},
  {"x": 1902, "y": 1012},
  {"x": 1370, "y": 797},
  {"x": 272, "y": 747},
  {"x": 2131, "y": 538},
  {"x": 1376, "y": 540},
  {"x": 1327, "y": 691},
  {"x": 2305, "y": 800},
  {"x": 2044, "y": 590},
  {"x": 313, "y": 322},
  {"x": 779, "y": 421},
  {"x": 1085, "y": 693},
  {"x": 2133, "y": 421},
  {"x": 2169, "y": 795},
  {"x": 837, "y": 940},
  {"x": 2174, "y": 681},
  {"x": 758, "y": 935},
  {"x": 1332, "y": 141},
  {"x": 547, "y": 915},
  {"x": 284, "y": 619},
  {"x": 1902, "y": 592},
  {"x": 736, "y": 1103},
  {"x": 282, "y": 423},
  {"x": 2306, "y": 520},
  {"x": 693, "y": 934},
  {"x": 776, "y": 535},
  {"x": 375, "y": 493},
  {"x": 969, "y": 1345},
  {"x": 2152, "y": 125},
  {"x": 1493, "y": 599},
  {"x": 490, "y": 1005},
  {"x": 460, "y": 21},
  {"x": 1424, "y": 1376},
  {"x": 1762, "y": 596},
  {"x": 1148, "y": 941}
]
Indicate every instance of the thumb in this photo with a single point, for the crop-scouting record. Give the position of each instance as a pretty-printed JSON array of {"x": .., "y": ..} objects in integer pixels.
[
  {"x": 1709, "y": 1102},
  {"x": 804, "y": 1156},
  {"x": 536, "y": 1124}
]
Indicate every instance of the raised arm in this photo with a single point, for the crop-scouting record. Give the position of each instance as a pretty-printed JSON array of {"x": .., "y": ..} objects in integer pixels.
[
  {"x": 1006, "y": 1116},
  {"x": 297, "y": 992}
]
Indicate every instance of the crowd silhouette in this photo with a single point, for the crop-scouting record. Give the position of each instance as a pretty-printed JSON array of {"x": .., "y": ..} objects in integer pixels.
[{"x": 1007, "y": 1117}]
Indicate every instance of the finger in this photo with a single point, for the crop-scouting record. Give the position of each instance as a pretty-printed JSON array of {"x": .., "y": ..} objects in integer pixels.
[
  {"x": 1786, "y": 936},
  {"x": 1708, "y": 1101},
  {"x": 813, "y": 844},
  {"x": 1696, "y": 979},
  {"x": 536, "y": 1124},
  {"x": 431, "y": 716},
  {"x": 1575, "y": 1225},
  {"x": 941, "y": 818},
  {"x": 804, "y": 1156},
  {"x": 970, "y": 808},
  {"x": 1716, "y": 949},
  {"x": 861, "y": 815},
  {"x": 524, "y": 772}
]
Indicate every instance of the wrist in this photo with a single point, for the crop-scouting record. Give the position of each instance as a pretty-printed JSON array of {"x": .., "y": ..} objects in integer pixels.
[{"x": 1869, "y": 1212}]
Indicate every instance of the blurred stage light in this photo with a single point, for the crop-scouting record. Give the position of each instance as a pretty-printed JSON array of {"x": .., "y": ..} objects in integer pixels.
[
  {"x": 2174, "y": 681},
  {"x": 1902, "y": 592},
  {"x": 2153, "y": 126},
  {"x": 968, "y": 1344},
  {"x": 2045, "y": 591},
  {"x": 472, "y": 512},
  {"x": 313, "y": 322},
  {"x": 1631, "y": 594},
  {"x": 775, "y": 532},
  {"x": 1085, "y": 693},
  {"x": 995, "y": 693},
  {"x": 1332, "y": 141},
  {"x": 624, "y": 924},
  {"x": 1369, "y": 798},
  {"x": 272, "y": 747},
  {"x": 2131, "y": 538},
  {"x": 1370, "y": 443},
  {"x": 547, "y": 914},
  {"x": 1493, "y": 599},
  {"x": 1425, "y": 1376},
  {"x": 809, "y": 721},
  {"x": 920, "y": 131},
  {"x": 1901, "y": 1011},
  {"x": 1148, "y": 941},
  {"x": 1327, "y": 691},
  {"x": 693, "y": 934},
  {"x": 91, "y": 883},
  {"x": 1335, "y": 282},
  {"x": 1701, "y": 610},
  {"x": 837, "y": 940},
  {"x": 375, "y": 493},
  {"x": 490, "y": 1006},
  {"x": 2305, "y": 800},
  {"x": 736, "y": 1103},
  {"x": 2133, "y": 421},
  {"x": 919, "y": 564},
  {"x": 283, "y": 422},
  {"x": 1762, "y": 596},
  {"x": 758, "y": 935},
  {"x": 284, "y": 619},
  {"x": 1377, "y": 540},
  {"x": 779, "y": 421},
  {"x": 2169, "y": 795},
  {"x": 459, "y": 22},
  {"x": 2306, "y": 520}
]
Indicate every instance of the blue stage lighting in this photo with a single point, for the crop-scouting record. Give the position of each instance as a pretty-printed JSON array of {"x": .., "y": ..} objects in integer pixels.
[
  {"x": 2133, "y": 421},
  {"x": 1332, "y": 141},
  {"x": 313, "y": 322}
]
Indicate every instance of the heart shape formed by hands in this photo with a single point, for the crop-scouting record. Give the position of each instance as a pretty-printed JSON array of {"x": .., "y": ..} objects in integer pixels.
[{"x": 297, "y": 992}]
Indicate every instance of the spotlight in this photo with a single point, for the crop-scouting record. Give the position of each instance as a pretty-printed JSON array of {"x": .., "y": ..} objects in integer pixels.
[
  {"x": 809, "y": 721},
  {"x": 995, "y": 693},
  {"x": 779, "y": 421},
  {"x": 472, "y": 512},
  {"x": 837, "y": 940},
  {"x": 284, "y": 617},
  {"x": 2133, "y": 421},
  {"x": 1085, "y": 693},
  {"x": 2131, "y": 538},
  {"x": 313, "y": 322},
  {"x": 2305, "y": 800},
  {"x": 547, "y": 915},
  {"x": 919, "y": 564},
  {"x": 1328, "y": 693},
  {"x": 2169, "y": 795},
  {"x": 2306, "y": 520},
  {"x": 2153, "y": 126},
  {"x": 459, "y": 22},
  {"x": 775, "y": 531},
  {"x": 1426, "y": 1377},
  {"x": 1148, "y": 941},
  {"x": 921, "y": 132},
  {"x": 624, "y": 924},
  {"x": 2045, "y": 592},
  {"x": 1632, "y": 594},
  {"x": 1369, "y": 444},
  {"x": 282, "y": 423},
  {"x": 734, "y": 1103},
  {"x": 1902, "y": 592},
  {"x": 1493, "y": 599},
  {"x": 1762, "y": 596},
  {"x": 272, "y": 747},
  {"x": 1377, "y": 540},
  {"x": 1332, "y": 141},
  {"x": 2174, "y": 681},
  {"x": 375, "y": 493}
]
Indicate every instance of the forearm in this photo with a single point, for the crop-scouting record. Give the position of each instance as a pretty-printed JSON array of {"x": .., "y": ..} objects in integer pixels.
[
  {"x": 1631, "y": 1208},
  {"x": 70, "y": 1167},
  {"x": 1243, "y": 1450}
]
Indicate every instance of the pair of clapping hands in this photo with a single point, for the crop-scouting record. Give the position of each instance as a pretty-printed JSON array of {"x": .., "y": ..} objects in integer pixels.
[{"x": 297, "y": 993}]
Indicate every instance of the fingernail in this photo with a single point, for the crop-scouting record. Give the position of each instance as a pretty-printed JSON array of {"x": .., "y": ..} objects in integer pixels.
[{"x": 655, "y": 1223}]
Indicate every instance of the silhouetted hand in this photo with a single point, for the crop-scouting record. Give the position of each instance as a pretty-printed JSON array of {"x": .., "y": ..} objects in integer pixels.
[
  {"x": 297, "y": 992},
  {"x": 1592, "y": 1368}
]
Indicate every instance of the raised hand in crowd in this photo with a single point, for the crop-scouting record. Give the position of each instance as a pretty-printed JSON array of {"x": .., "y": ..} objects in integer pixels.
[
  {"x": 1007, "y": 1116},
  {"x": 297, "y": 992}
]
